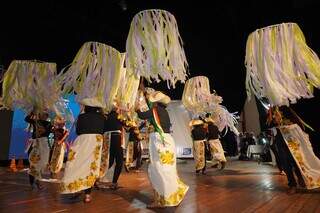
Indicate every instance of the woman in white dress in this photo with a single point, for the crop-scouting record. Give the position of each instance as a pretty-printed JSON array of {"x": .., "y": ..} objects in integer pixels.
[
  {"x": 84, "y": 156},
  {"x": 169, "y": 190}
]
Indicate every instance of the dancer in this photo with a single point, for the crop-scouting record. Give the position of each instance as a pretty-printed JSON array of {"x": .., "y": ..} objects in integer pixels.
[
  {"x": 39, "y": 149},
  {"x": 57, "y": 156},
  {"x": 198, "y": 132},
  {"x": 133, "y": 150},
  {"x": 216, "y": 148},
  {"x": 286, "y": 159},
  {"x": 168, "y": 188},
  {"x": 114, "y": 131},
  {"x": 83, "y": 164}
]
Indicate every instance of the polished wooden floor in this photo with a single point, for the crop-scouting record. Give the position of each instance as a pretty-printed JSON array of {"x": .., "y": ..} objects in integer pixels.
[{"x": 244, "y": 186}]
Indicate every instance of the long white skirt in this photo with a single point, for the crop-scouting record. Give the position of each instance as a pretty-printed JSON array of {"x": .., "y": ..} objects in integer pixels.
[
  {"x": 162, "y": 171},
  {"x": 57, "y": 157},
  {"x": 39, "y": 157},
  {"x": 83, "y": 165},
  {"x": 217, "y": 151}
]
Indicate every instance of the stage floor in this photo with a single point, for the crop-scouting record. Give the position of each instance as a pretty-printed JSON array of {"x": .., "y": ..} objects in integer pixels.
[{"x": 243, "y": 186}]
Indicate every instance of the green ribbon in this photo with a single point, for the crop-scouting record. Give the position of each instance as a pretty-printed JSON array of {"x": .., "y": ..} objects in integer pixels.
[{"x": 154, "y": 123}]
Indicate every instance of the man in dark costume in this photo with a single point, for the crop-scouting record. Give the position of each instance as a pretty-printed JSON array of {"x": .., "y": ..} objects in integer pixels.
[
  {"x": 286, "y": 159},
  {"x": 41, "y": 129},
  {"x": 133, "y": 150},
  {"x": 114, "y": 127}
]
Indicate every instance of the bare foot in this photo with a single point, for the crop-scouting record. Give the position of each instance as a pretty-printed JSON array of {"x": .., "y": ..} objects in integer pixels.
[{"x": 87, "y": 198}]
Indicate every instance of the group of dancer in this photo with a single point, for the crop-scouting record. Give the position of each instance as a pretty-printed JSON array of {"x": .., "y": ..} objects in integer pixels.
[
  {"x": 99, "y": 144},
  {"x": 206, "y": 143}
]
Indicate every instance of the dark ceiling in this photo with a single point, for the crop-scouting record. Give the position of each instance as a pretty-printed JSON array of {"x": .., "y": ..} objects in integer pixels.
[{"x": 214, "y": 34}]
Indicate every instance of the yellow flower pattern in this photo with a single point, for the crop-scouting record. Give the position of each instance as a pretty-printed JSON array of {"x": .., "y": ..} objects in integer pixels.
[
  {"x": 79, "y": 184},
  {"x": 34, "y": 158},
  {"x": 198, "y": 152},
  {"x": 294, "y": 147},
  {"x": 99, "y": 138},
  {"x": 71, "y": 155},
  {"x": 104, "y": 157},
  {"x": 167, "y": 157},
  {"x": 97, "y": 152},
  {"x": 94, "y": 166},
  {"x": 175, "y": 198}
]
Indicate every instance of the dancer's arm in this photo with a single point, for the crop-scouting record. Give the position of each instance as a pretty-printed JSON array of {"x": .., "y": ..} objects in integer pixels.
[{"x": 66, "y": 133}]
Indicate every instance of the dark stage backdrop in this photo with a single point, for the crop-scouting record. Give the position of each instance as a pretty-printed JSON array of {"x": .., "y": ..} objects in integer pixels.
[
  {"x": 214, "y": 35},
  {"x": 5, "y": 133}
]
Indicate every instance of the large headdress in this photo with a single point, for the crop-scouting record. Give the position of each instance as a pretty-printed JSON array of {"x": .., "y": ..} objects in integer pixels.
[
  {"x": 280, "y": 66},
  {"x": 154, "y": 47},
  {"x": 30, "y": 86}
]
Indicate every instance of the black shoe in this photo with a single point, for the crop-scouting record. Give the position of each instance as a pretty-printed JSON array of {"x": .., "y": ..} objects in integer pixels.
[
  {"x": 126, "y": 168},
  {"x": 114, "y": 186},
  {"x": 301, "y": 183},
  {"x": 222, "y": 165}
]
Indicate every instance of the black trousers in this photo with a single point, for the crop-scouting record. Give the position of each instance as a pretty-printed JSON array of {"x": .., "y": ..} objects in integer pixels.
[
  {"x": 137, "y": 153},
  {"x": 31, "y": 178},
  {"x": 116, "y": 155},
  {"x": 275, "y": 151}
]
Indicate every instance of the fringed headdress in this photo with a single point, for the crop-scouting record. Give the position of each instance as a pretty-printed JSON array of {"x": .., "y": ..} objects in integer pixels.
[
  {"x": 154, "y": 47},
  {"x": 280, "y": 66}
]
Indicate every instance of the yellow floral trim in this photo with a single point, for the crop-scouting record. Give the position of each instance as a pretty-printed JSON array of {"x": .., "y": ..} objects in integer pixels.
[
  {"x": 34, "y": 158},
  {"x": 295, "y": 149},
  {"x": 93, "y": 166},
  {"x": 79, "y": 184},
  {"x": 104, "y": 157},
  {"x": 175, "y": 198},
  {"x": 54, "y": 163},
  {"x": 71, "y": 155},
  {"x": 198, "y": 152},
  {"x": 99, "y": 138},
  {"x": 97, "y": 152},
  {"x": 167, "y": 157},
  {"x": 83, "y": 183}
]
